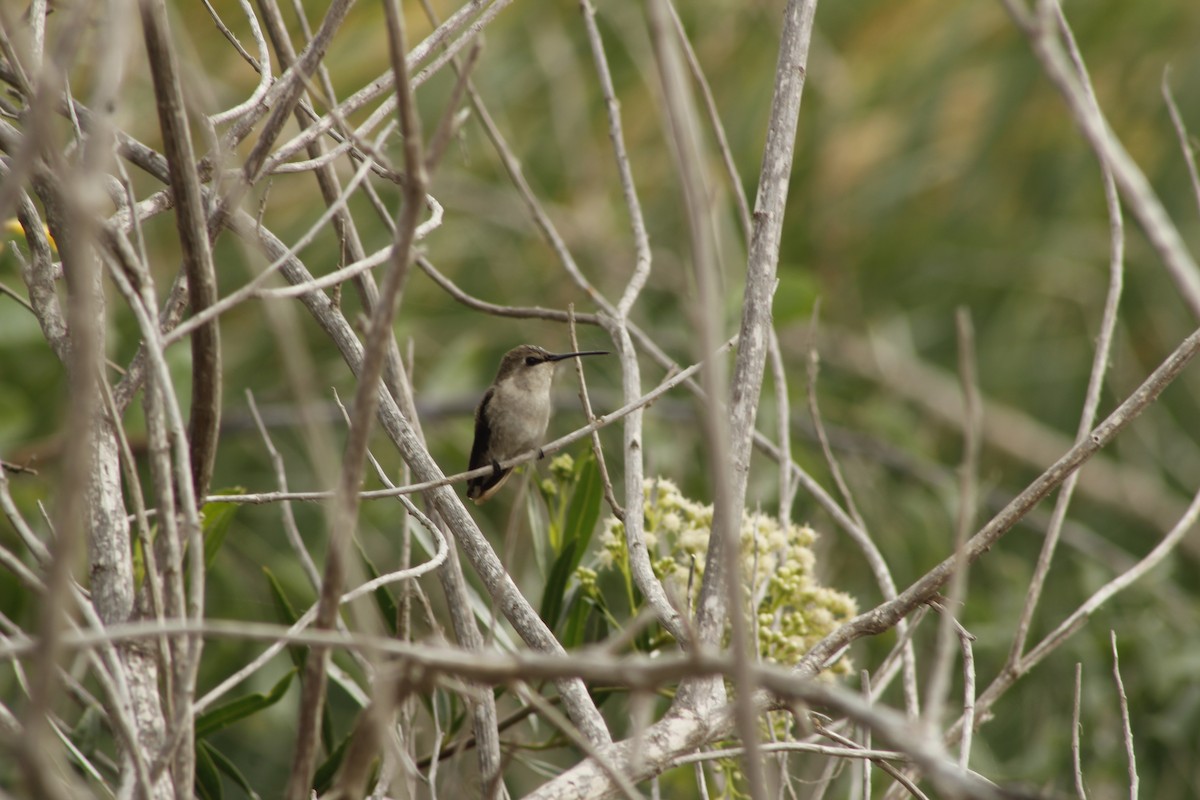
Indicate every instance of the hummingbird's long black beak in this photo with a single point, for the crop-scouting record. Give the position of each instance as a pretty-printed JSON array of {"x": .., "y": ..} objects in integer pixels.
[{"x": 561, "y": 356}]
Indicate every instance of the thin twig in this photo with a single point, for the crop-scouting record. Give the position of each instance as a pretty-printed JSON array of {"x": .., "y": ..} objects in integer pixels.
[
  {"x": 344, "y": 517},
  {"x": 722, "y": 600},
  {"x": 194, "y": 241},
  {"x": 289, "y": 519},
  {"x": 865, "y": 676},
  {"x": 448, "y": 124},
  {"x": 783, "y": 421},
  {"x": 514, "y": 312},
  {"x": 885, "y": 616},
  {"x": 636, "y": 672},
  {"x": 888, "y": 768},
  {"x": 1007, "y": 431},
  {"x": 1126, "y": 726},
  {"x": 1100, "y": 359},
  {"x": 84, "y": 319},
  {"x": 556, "y": 718},
  {"x": 1076, "y": 619},
  {"x": 1185, "y": 144},
  {"x": 968, "y": 481},
  {"x": 616, "y": 134},
  {"x": 794, "y": 747},
  {"x": 171, "y": 471},
  {"x": 609, "y": 495},
  {"x": 714, "y": 120},
  {"x": 814, "y": 410},
  {"x": 298, "y": 629},
  {"x": 1138, "y": 194},
  {"x": 473, "y": 16},
  {"x": 253, "y": 287},
  {"x": 968, "y": 716},
  {"x": 856, "y": 527},
  {"x": 261, "y": 65},
  {"x": 1076, "y": 728}
]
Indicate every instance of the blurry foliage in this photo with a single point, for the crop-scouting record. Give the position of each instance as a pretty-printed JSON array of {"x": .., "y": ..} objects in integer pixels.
[{"x": 936, "y": 168}]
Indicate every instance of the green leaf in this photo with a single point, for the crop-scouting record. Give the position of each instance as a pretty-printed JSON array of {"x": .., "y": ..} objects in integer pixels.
[
  {"x": 139, "y": 561},
  {"x": 230, "y": 769},
  {"x": 87, "y": 731},
  {"x": 587, "y": 620},
  {"x": 225, "y": 714},
  {"x": 283, "y": 606},
  {"x": 323, "y": 777},
  {"x": 326, "y": 731},
  {"x": 383, "y": 595},
  {"x": 287, "y": 616},
  {"x": 540, "y": 532},
  {"x": 208, "y": 780},
  {"x": 217, "y": 518},
  {"x": 577, "y": 611},
  {"x": 584, "y": 510},
  {"x": 644, "y": 641},
  {"x": 456, "y": 724},
  {"x": 556, "y": 586},
  {"x": 580, "y": 522}
]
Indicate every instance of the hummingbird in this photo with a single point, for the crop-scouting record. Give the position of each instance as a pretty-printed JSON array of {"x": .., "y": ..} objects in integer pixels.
[{"x": 513, "y": 415}]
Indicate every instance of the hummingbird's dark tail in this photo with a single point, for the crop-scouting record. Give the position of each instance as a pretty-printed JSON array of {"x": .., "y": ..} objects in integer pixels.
[{"x": 480, "y": 489}]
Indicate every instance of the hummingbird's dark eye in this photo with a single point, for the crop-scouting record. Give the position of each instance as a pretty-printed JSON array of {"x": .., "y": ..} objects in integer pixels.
[{"x": 532, "y": 360}]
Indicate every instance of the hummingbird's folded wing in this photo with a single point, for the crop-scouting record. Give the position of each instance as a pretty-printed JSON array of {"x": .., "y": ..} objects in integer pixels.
[
  {"x": 480, "y": 489},
  {"x": 483, "y": 433}
]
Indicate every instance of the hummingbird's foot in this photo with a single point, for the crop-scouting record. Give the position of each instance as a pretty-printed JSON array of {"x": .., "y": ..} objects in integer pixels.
[
  {"x": 541, "y": 454},
  {"x": 496, "y": 468}
]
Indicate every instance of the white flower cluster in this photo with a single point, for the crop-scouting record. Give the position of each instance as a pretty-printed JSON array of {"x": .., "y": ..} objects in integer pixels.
[{"x": 793, "y": 611}]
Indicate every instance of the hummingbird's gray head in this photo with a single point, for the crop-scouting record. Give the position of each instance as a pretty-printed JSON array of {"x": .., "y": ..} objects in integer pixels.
[{"x": 533, "y": 360}]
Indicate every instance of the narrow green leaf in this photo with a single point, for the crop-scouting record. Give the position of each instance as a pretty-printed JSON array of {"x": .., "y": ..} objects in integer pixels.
[
  {"x": 283, "y": 606},
  {"x": 541, "y": 533},
  {"x": 578, "y": 523},
  {"x": 584, "y": 509},
  {"x": 227, "y": 713},
  {"x": 383, "y": 595},
  {"x": 596, "y": 625},
  {"x": 326, "y": 731},
  {"x": 644, "y": 641},
  {"x": 208, "y": 779},
  {"x": 323, "y": 777},
  {"x": 556, "y": 585},
  {"x": 231, "y": 770},
  {"x": 139, "y": 560},
  {"x": 87, "y": 731},
  {"x": 578, "y": 609},
  {"x": 587, "y": 620},
  {"x": 217, "y": 518},
  {"x": 456, "y": 724},
  {"x": 287, "y": 616}
]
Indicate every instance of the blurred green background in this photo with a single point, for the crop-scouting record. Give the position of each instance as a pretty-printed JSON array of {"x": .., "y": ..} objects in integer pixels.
[{"x": 936, "y": 168}]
